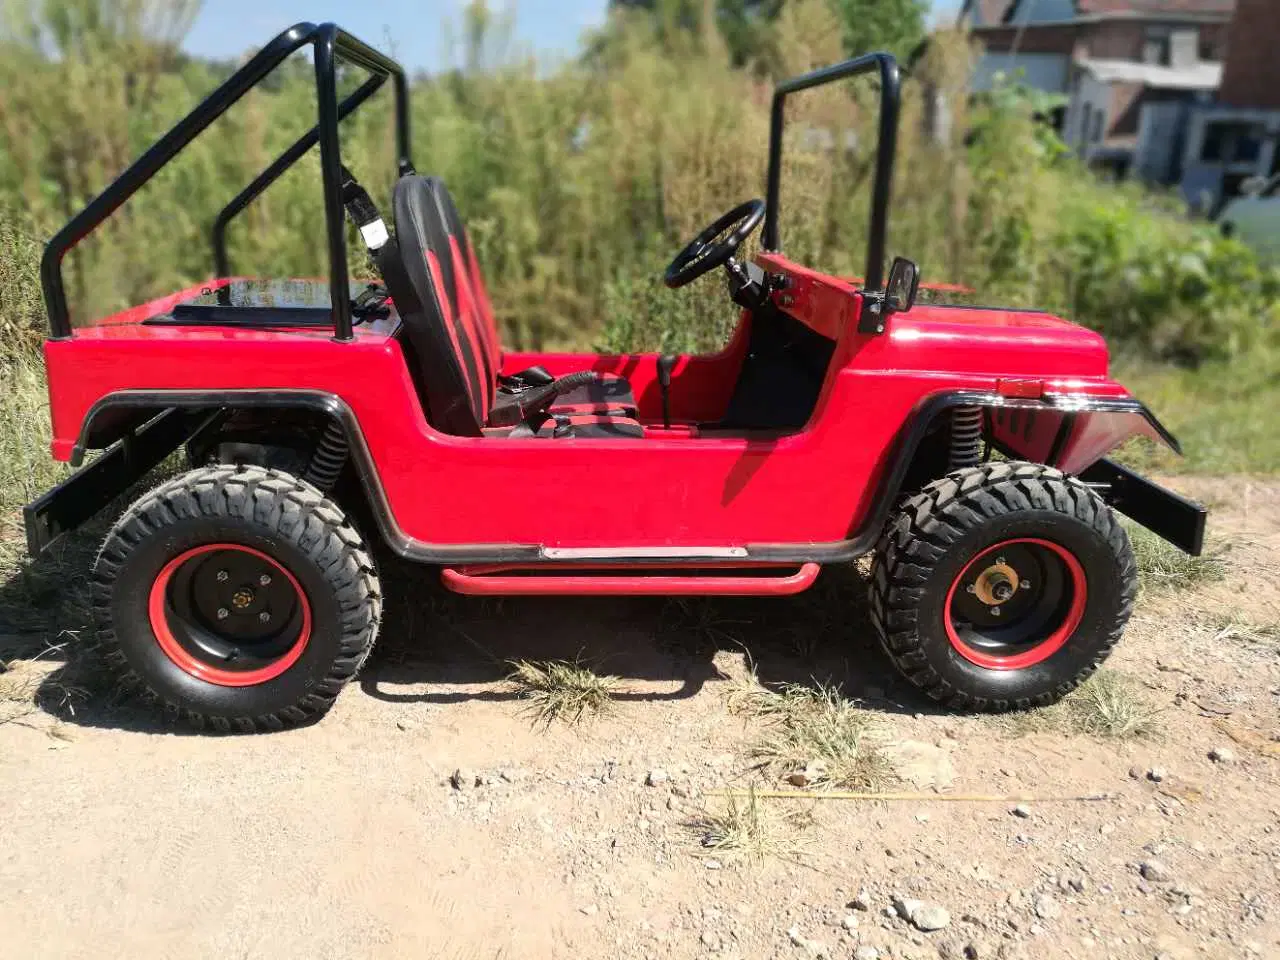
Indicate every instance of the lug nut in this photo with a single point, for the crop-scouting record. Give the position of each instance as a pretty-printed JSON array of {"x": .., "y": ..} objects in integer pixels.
[
  {"x": 1000, "y": 561},
  {"x": 223, "y": 576},
  {"x": 1024, "y": 585},
  {"x": 264, "y": 580},
  {"x": 264, "y": 617},
  {"x": 971, "y": 588},
  {"x": 223, "y": 613},
  {"x": 995, "y": 611}
]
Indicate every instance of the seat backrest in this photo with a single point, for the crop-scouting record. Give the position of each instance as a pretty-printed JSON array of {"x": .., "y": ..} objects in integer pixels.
[
  {"x": 440, "y": 331},
  {"x": 486, "y": 323}
]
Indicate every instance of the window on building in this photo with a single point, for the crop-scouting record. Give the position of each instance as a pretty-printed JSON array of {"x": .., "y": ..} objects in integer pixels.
[
  {"x": 1231, "y": 141},
  {"x": 1156, "y": 46}
]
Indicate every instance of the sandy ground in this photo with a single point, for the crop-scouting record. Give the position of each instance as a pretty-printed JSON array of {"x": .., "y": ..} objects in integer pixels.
[{"x": 124, "y": 837}]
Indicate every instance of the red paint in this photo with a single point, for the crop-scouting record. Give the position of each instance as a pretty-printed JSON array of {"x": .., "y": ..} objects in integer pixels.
[
  {"x": 1050, "y": 645},
  {"x": 198, "y": 668},
  {"x": 482, "y": 582},
  {"x": 670, "y": 488}
]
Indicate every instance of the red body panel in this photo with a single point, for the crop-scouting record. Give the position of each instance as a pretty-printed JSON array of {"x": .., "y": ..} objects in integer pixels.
[{"x": 669, "y": 489}]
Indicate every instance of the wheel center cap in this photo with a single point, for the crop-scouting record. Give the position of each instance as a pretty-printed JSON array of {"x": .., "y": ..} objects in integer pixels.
[
  {"x": 243, "y": 598},
  {"x": 996, "y": 584}
]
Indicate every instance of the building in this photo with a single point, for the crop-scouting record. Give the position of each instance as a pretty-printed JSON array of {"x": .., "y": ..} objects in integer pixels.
[
  {"x": 1140, "y": 79},
  {"x": 1237, "y": 136}
]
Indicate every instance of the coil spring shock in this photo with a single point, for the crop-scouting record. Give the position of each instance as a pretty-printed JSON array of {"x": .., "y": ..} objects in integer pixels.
[
  {"x": 329, "y": 459},
  {"x": 966, "y": 437}
]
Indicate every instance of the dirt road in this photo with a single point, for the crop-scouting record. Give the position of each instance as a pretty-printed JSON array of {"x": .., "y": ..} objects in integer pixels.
[{"x": 125, "y": 838}]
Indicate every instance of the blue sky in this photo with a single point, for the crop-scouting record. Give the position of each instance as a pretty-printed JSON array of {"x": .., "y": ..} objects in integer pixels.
[{"x": 412, "y": 29}]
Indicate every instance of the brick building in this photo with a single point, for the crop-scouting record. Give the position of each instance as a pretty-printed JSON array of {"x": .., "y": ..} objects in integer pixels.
[{"x": 1172, "y": 91}]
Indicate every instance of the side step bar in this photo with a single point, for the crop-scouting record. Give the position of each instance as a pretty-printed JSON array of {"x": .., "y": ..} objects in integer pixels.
[{"x": 508, "y": 581}]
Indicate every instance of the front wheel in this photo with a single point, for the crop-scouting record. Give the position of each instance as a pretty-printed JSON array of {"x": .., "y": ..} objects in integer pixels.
[
  {"x": 1002, "y": 587},
  {"x": 238, "y": 597}
]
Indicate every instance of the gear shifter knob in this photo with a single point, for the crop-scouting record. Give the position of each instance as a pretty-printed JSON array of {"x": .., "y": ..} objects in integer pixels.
[{"x": 666, "y": 363}]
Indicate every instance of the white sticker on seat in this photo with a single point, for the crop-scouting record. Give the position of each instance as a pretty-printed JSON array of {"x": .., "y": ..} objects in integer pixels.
[{"x": 375, "y": 235}]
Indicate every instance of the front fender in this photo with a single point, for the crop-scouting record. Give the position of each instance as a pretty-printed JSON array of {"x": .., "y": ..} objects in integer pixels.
[{"x": 1073, "y": 433}]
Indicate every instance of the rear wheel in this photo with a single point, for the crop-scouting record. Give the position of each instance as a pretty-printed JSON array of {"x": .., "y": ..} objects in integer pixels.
[
  {"x": 238, "y": 597},
  {"x": 1002, "y": 586}
]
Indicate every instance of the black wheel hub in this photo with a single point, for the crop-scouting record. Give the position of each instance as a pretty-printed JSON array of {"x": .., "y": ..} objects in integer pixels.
[
  {"x": 1011, "y": 598},
  {"x": 233, "y": 610}
]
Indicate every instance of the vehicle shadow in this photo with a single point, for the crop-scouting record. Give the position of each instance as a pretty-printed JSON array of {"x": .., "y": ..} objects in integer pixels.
[{"x": 436, "y": 647}]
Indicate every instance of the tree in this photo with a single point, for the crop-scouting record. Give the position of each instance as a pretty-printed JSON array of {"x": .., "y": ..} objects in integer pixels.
[{"x": 894, "y": 25}]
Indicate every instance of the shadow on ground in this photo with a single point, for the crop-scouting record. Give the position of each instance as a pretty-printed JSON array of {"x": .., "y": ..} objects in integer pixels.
[{"x": 440, "y": 648}]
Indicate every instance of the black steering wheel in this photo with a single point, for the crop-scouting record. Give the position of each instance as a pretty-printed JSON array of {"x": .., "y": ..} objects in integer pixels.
[{"x": 709, "y": 250}]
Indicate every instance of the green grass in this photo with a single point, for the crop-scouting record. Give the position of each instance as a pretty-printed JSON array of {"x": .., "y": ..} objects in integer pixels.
[
  {"x": 560, "y": 691},
  {"x": 1224, "y": 414},
  {"x": 1110, "y": 705},
  {"x": 814, "y": 728},
  {"x": 743, "y": 827},
  {"x": 1162, "y": 566}
]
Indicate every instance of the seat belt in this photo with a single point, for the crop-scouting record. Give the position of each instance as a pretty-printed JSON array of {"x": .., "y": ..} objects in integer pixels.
[{"x": 382, "y": 247}]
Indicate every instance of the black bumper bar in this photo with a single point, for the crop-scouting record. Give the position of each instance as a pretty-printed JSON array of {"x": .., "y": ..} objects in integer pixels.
[{"x": 1163, "y": 512}]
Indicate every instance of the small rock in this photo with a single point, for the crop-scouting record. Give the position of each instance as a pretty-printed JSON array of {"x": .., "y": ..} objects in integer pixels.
[
  {"x": 1157, "y": 774},
  {"x": 1155, "y": 871},
  {"x": 656, "y": 777},
  {"x": 957, "y": 948},
  {"x": 1047, "y": 908},
  {"x": 463, "y": 779},
  {"x": 850, "y": 922},
  {"x": 589, "y": 910},
  {"x": 711, "y": 864},
  {"x": 812, "y": 947},
  {"x": 866, "y": 952},
  {"x": 710, "y": 940},
  {"x": 1222, "y": 755},
  {"x": 1022, "y": 811},
  {"x": 862, "y": 901},
  {"x": 922, "y": 915},
  {"x": 1136, "y": 773}
]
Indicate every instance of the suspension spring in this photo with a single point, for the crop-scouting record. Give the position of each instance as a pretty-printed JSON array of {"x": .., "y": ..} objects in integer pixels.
[
  {"x": 966, "y": 437},
  {"x": 329, "y": 459}
]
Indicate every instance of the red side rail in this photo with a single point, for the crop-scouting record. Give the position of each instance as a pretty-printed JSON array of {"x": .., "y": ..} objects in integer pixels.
[{"x": 493, "y": 582}]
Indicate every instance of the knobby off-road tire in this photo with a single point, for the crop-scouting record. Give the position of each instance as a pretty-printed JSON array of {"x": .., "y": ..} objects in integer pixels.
[
  {"x": 246, "y": 560},
  {"x": 967, "y": 531}
]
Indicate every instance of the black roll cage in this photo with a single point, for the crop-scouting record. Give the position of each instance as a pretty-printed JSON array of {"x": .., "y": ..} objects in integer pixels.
[
  {"x": 884, "y": 64},
  {"x": 331, "y": 43}
]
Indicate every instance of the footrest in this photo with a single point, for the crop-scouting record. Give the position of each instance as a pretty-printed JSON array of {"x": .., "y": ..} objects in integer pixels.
[{"x": 534, "y": 581}]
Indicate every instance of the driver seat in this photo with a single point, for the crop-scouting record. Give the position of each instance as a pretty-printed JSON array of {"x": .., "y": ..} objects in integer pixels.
[{"x": 450, "y": 341}]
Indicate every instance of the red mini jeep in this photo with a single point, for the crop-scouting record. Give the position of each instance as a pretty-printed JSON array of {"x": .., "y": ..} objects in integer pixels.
[{"x": 963, "y": 446}]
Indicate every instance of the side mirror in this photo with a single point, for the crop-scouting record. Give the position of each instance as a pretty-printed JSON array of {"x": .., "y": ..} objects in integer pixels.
[{"x": 904, "y": 284}]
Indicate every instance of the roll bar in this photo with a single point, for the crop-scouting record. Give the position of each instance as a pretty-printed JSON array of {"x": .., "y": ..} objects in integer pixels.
[
  {"x": 890, "y": 99},
  {"x": 331, "y": 42}
]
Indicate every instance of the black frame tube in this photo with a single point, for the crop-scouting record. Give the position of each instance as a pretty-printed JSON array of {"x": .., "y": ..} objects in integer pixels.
[
  {"x": 222, "y": 263},
  {"x": 330, "y": 42},
  {"x": 886, "y": 150}
]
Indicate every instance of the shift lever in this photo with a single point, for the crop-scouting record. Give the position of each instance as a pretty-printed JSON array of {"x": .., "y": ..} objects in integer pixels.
[{"x": 665, "y": 365}]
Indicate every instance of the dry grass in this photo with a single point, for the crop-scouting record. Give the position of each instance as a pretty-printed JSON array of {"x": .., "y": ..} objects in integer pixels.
[
  {"x": 813, "y": 728},
  {"x": 1109, "y": 705},
  {"x": 746, "y": 828},
  {"x": 1233, "y": 625},
  {"x": 556, "y": 690},
  {"x": 1162, "y": 566}
]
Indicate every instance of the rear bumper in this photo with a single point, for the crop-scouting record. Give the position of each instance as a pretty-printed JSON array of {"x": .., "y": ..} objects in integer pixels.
[{"x": 1163, "y": 512}]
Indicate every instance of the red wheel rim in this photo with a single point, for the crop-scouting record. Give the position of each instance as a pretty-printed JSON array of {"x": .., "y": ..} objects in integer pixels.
[
  {"x": 216, "y": 651},
  {"x": 1058, "y": 606}
]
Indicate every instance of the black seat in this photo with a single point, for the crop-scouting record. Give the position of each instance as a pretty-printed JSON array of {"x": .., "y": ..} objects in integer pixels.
[{"x": 450, "y": 347}]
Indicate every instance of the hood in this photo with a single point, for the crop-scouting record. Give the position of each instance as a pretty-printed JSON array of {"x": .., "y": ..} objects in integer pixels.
[{"x": 997, "y": 341}]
